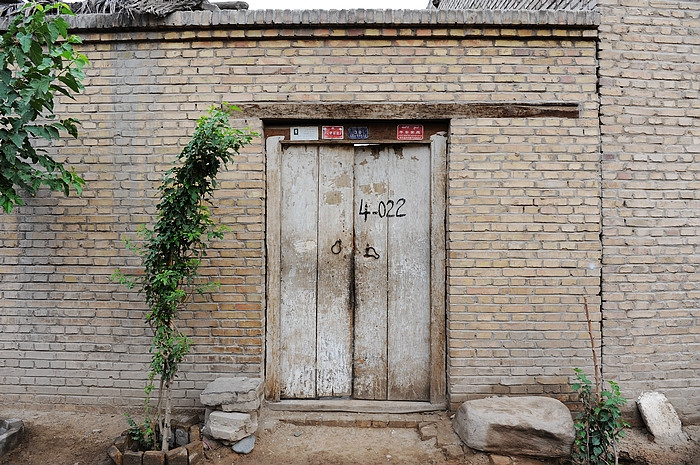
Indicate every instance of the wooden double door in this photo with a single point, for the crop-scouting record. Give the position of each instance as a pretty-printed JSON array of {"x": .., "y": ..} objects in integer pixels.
[{"x": 355, "y": 266}]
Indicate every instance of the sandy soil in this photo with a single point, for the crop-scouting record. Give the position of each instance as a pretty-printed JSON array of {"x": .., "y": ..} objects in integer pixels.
[{"x": 82, "y": 437}]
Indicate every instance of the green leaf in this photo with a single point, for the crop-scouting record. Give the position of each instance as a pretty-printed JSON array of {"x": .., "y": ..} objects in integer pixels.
[
  {"x": 17, "y": 138},
  {"x": 62, "y": 26},
  {"x": 70, "y": 81},
  {"x": 25, "y": 41},
  {"x": 35, "y": 53}
]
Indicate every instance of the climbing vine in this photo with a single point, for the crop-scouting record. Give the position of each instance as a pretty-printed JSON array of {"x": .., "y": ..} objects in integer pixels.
[{"x": 171, "y": 255}]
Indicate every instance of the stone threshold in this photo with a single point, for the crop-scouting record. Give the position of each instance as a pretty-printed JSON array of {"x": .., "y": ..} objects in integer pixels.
[
  {"x": 352, "y": 420},
  {"x": 355, "y": 406}
]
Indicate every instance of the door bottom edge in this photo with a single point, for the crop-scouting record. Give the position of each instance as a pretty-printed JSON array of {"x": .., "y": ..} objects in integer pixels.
[{"x": 355, "y": 406}]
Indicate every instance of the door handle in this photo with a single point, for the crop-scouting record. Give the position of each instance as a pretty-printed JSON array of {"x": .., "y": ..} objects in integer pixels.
[
  {"x": 337, "y": 247},
  {"x": 371, "y": 253}
]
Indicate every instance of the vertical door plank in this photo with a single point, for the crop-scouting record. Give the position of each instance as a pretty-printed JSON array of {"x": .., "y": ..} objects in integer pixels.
[
  {"x": 298, "y": 263},
  {"x": 334, "y": 315},
  {"x": 272, "y": 359},
  {"x": 409, "y": 275},
  {"x": 438, "y": 173},
  {"x": 370, "y": 275}
]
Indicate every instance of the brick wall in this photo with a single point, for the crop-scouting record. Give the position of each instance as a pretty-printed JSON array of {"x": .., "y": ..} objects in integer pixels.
[
  {"x": 649, "y": 88},
  {"x": 523, "y": 212}
]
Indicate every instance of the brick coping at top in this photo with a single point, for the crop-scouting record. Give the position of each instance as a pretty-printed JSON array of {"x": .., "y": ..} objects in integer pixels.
[{"x": 344, "y": 18}]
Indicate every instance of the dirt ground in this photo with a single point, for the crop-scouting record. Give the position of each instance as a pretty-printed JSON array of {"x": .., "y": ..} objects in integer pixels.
[{"x": 64, "y": 437}]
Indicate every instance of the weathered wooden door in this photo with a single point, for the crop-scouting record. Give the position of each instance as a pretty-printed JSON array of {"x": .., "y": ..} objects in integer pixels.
[{"x": 355, "y": 272}]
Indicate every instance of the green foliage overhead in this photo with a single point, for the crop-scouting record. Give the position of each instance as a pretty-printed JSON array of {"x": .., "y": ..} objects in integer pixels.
[
  {"x": 599, "y": 424},
  {"x": 38, "y": 62},
  {"x": 174, "y": 248}
]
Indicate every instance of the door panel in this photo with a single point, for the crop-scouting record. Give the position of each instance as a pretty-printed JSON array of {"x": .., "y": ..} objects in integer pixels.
[
  {"x": 334, "y": 312},
  {"x": 370, "y": 359},
  {"x": 298, "y": 273},
  {"x": 355, "y": 228},
  {"x": 408, "y": 275}
]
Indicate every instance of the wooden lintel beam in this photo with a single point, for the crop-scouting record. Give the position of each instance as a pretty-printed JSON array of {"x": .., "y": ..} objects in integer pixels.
[{"x": 406, "y": 111}]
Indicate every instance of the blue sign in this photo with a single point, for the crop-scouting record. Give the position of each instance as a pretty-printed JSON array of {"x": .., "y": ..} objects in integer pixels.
[{"x": 358, "y": 132}]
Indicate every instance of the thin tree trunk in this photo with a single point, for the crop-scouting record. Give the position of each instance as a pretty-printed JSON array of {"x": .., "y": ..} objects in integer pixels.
[
  {"x": 596, "y": 368},
  {"x": 158, "y": 419},
  {"x": 165, "y": 430}
]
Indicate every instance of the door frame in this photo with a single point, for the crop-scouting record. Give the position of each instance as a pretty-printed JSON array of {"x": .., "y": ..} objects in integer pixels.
[{"x": 438, "y": 381}]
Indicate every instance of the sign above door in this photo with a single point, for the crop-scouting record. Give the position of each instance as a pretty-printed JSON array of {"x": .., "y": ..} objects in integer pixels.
[{"x": 356, "y": 131}]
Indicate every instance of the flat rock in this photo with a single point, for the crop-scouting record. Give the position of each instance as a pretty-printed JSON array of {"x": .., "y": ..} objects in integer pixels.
[
  {"x": 245, "y": 445},
  {"x": 249, "y": 406},
  {"x": 529, "y": 426},
  {"x": 231, "y": 426},
  {"x": 11, "y": 433},
  {"x": 500, "y": 460},
  {"x": 230, "y": 391},
  {"x": 661, "y": 418}
]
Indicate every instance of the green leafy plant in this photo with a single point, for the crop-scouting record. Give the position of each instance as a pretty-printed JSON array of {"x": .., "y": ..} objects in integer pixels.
[
  {"x": 143, "y": 434},
  {"x": 172, "y": 253},
  {"x": 599, "y": 424},
  {"x": 38, "y": 62}
]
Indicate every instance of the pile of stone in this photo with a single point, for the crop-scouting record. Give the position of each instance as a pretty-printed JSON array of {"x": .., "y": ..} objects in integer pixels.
[
  {"x": 542, "y": 427},
  {"x": 232, "y": 407},
  {"x": 187, "y": 447}
]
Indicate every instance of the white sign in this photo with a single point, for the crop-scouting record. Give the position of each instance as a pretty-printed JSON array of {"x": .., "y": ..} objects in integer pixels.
[{"x": 303, "y": 133}]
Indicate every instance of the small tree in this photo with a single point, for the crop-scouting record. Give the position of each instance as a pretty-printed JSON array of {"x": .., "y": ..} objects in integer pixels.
[
  {"x": 38, "y": 61},
  {"x": 172, "y": 253},
  {"x": 599, "y": 424}
]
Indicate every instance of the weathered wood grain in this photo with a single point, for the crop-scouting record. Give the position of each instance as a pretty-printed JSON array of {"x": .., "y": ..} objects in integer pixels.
[
  {"x": 298, "y": 264},
  {"x": 406, "y": 111},
  {"x": 335, "y": 253},
  {"x": 370, "y": 358},
  {"x": 272, "y": 317},
  {"x": 438, "y": 196},
  {"x": 408, "y": 310},
  {"x": 361, "y": 280}
]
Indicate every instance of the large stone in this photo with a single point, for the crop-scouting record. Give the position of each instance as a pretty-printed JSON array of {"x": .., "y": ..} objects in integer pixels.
[
  {"x": 250, "y": 406},
  {"x": 530, "y": 426},
  {"x": 11, "y": 433},
  {"x": 232, "y": 391},
  {"x": 661, "y": 418},
  {"x": 231, "y": 426}
]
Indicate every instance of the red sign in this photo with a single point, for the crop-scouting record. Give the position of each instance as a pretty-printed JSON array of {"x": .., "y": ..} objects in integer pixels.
[
  {"x": 332, "y": 132},
  {"x": 409, "y": 132}
]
